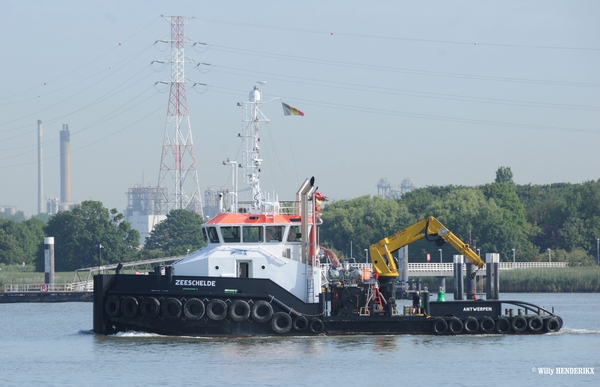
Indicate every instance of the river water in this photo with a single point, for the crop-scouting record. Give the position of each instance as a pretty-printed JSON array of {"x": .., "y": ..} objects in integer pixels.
[{"x": 52, "y": 345}]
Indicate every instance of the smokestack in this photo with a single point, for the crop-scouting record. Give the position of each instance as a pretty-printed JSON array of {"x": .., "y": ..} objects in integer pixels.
[
  {"x": 65, "y": 165},
  {"x": 40, "y": 172}
]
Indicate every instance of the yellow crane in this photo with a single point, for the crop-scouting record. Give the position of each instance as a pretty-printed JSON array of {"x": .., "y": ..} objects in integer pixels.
[{"x": 381, "y": 252}]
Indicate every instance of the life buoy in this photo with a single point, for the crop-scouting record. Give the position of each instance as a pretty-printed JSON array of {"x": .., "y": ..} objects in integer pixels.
[
  {"x": 171, "y": 308},
  {"x": 535, "y": 324},
  {"x": 112, "y": 306},
  {"x": 551, "y": 324},
  {"x": 216, "y": 310},
  {"x": 455, "y": 326},
  {"x": 471, "y": 325},
  {"x": 239, "y": 311},
  {"x": 440, "y": 326},
  {"x": 194, "y": 309},
  {"x": 502, "y": 325},
  {"x": 486, "y": 324},
  {"x": 129, "y": 307},
  {"x": 261, "y": 311},
  {"x": 281, "y": 322},
  {"x": 518, "y": 324},
  {"x": 316, "y": 325},
  {"x": 43, "y": 287},
  {"x": 300, "y": 323},
  {"x": 150, "y": 307}
]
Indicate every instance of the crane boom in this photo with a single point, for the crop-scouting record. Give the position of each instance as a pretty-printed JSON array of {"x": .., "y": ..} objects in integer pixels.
[{"x": 381, "y": 252}]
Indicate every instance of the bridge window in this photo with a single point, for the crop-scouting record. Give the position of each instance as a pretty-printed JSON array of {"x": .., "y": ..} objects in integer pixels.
[
  {"x": 252, "y": 234},
  {"x": 210, "y": 234},
  {"x": 274, "y": 233},
  {"x": 294, "y": 234},
  {"x": 231, "y": 234}
]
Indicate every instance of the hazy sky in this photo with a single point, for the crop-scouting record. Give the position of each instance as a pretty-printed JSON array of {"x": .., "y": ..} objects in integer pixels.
[{"x": 441, "y": 92}]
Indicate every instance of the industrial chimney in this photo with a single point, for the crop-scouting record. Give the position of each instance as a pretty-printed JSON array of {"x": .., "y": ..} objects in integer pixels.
[
  {"x": 40, "y": 172},
  {"x": 65, "y": 167}
]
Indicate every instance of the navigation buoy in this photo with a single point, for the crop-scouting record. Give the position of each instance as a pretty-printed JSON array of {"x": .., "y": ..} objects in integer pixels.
[{"x": 441, "y": 295}]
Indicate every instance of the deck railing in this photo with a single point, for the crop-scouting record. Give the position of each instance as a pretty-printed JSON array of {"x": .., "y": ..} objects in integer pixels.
[
  {"x": 432, "y": 267},
  {"x": 446, "y": 269},
  {"x": 84, "y": 286}
]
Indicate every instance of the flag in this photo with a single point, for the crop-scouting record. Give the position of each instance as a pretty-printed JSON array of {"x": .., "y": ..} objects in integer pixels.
[
  {"x": 100, "y": 246},
  {"x": 291, "y": 111}
]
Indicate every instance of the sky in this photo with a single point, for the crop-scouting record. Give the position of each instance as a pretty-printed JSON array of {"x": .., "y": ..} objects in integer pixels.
[{"x": 443, "y": 93}]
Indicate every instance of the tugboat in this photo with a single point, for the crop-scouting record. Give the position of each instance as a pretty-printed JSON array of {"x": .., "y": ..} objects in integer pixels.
[{"x": 263, "y": 273}]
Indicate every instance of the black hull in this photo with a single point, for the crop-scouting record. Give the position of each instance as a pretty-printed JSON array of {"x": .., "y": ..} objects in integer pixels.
[{"x": 206, "y": 306}]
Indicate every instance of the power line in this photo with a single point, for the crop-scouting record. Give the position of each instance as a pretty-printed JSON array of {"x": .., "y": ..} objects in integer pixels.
[
  {"x": 370, "y": 66},
  {"x": 398, "y": 38},
  {"x": 446, "y": 118},
  {"x": 82, "y": 65},
  {"x": 411, "y": 93}
]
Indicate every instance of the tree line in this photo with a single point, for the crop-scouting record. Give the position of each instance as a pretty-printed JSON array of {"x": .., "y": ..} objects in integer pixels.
[
  {"x": 91, "y": 235},
  {"x": 560, "y": 221}
]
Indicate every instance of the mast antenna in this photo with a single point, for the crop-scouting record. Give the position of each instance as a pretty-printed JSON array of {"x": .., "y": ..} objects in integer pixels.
[{"x": 251, "y": 161}]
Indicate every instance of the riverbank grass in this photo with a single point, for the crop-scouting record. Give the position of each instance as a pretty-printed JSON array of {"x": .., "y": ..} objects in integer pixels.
[{"x": 25, "y": 275}]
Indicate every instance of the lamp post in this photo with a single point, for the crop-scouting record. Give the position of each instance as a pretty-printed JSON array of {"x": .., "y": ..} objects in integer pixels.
[
  {"x": 513, "y": 250},
  {"x": 549, "y": 256},
  {"x": 598, "y": 250},
  {"x": 440, "y": 250}
]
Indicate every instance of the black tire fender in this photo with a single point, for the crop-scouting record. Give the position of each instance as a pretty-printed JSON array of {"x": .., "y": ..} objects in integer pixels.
[
  {"x": 194, "y": 309},
  {"x": 502, "y": 326},
  {"x": 239, "y": 311},
  {"x": 551, "y": 324},
  {"x": 281, "y": 322},
  {"x": 487, "y": 324},
  {"x": 535, "y": 324},
  {"x": 471, "y": 325},
  {"x": 439, "y": 326},
  {"x": 300, "y": 323},
  {"x": 261, "y": 311},
  {"x": 130, "y": 307},
  {"x": 518, "y": 324},
  {"x": 171, "y": 308},
  {"x": 112, "y": 307},
  {"x": 560, "y": 322},
  {"x": 150, "y": 307},
  {"x": 455, "y": 326},
  {"x": 216, "y": 309},
  {"x": 316, "y": 326}
]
